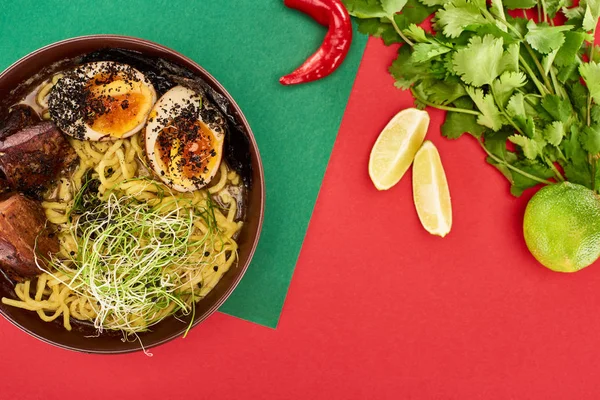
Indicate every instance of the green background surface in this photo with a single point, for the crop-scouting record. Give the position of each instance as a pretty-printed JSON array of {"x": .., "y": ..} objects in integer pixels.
[{"x": 247, "y": 45}]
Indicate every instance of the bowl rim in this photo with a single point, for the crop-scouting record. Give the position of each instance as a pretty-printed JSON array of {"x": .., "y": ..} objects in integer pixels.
[{"x": 261, "y": 185}]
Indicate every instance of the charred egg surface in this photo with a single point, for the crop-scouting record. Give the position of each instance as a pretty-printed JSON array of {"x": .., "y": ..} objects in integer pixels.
[
  {"x": 101, "y": 101},
  {"x": 184, "y": 139}
]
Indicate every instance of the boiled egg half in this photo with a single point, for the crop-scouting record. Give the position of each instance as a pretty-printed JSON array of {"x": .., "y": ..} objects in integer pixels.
[
  {"x": 101, "y": 101},
  {"x": 184, "y": 139}
]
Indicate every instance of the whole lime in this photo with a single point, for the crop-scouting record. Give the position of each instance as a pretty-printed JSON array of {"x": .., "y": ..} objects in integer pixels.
[{"x": 562, "y": 226}]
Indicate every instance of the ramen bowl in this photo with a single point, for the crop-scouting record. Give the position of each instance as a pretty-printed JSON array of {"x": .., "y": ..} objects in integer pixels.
[{"x": 21, "y": 77}]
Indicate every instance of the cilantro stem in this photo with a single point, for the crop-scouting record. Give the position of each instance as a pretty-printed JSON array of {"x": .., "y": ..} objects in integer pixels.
[
  {"x": 539, "y": 67},
  {"x": 557, "y": 173},
  {"x": 560, "y": 90},
  {"x": 589, "y": 110},
  {"x": 541, "y": 88},
  {"x": 589, "y": 97},
  {"x": 509, "y": 166},
  {"x": 503, "y": 111},
  {"x": 407, "y": 40},
  {"x": 441, "y": 107},
  {"x": 560, "y": 153},
  {"x": 593, "y": 161},
  {"x": 489, "y": 15},
  {"x": 529, "y": 50},
  {"x": 544, "y": 10}
]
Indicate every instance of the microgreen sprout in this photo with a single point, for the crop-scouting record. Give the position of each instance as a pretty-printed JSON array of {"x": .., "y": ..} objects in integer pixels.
[{"x": 136, "y": 263}]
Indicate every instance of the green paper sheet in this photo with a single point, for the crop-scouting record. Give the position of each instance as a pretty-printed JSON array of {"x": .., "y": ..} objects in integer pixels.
[{"x": 247, "y": 45}]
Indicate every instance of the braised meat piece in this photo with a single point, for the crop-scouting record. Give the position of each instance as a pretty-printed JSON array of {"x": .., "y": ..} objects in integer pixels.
[
  {"x": 22, "y": 224},
  {"x": 31, "y": 158},
  {"x": 21, "y": 116}
]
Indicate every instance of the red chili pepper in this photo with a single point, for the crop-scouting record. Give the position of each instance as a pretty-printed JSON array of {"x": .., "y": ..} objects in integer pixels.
[{"x": 332, "y": 52}]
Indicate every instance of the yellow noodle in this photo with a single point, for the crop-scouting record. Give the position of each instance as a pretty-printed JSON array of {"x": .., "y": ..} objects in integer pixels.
[
  {"x": 40, "y": 99},
  {"x": 55, "y": 205},
  {"x": 56, "y": 77},
  {"x": 64, "y": 192},
  {"x": 91, "y": 152},
  {"x": 222, "y": 181},
  {"x": 56, "y": 217},
  {"x": 130, "y": 153},
  {"x": 54, "y": 297},
  {"x": 127, "y": 173}
]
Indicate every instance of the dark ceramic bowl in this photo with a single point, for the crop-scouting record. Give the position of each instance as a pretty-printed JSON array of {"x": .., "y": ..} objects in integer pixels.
[{"x": 16, "y": 79}]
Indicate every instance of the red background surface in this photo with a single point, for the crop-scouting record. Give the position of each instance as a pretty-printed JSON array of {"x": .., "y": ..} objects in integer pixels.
[{"x": 378, "y": 309}]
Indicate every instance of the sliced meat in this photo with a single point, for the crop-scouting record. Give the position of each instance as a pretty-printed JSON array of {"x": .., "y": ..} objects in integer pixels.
[
  {"x": 23, "y": 231},
  {"x": 31, "y": 158},
  {"x": 21, "y": 116}
]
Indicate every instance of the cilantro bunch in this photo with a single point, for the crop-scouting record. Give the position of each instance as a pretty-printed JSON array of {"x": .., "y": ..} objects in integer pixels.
[{"x": 503, "y": 78}]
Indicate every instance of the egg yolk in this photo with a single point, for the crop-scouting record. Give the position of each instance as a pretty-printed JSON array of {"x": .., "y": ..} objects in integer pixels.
[
  {"x": 118, "y": 106},
  {"x": 187, "y": 150}
]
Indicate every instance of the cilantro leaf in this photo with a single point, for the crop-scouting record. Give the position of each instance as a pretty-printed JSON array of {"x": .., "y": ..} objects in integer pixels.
[
  {"x": 590, "y": 72},
  {"x": 572, "y": 145},
  {"x": 590, "y": 139},
  {"x": 365, "y": 8},
  {"x": 591, "y": 15},
  {"x": 595, "y": 113},
  {"x": 416, "y": 33},
  {"x": 458, "y": 16},
  {"x": 426, "y": 51},
  {"x": 494, "y": 30},
  {"x": 458, "y": 123},
  {"x": 478, "y": 64},
  {"x": 516, "y": 106},
  {"x": 495, "y": 143},
  {"x": 490, "y": 115},
  {"x": 497, "y": 10},
  {"x": 531, "y": 148},
  {"x": 510, "y": 59},
  {"x": 375, "y": 21},
  {"x": 521, "y": 183},
  {"x": 548, "y": 60},
  {"x": 404, "y": 69},
  {"x": 552, "y": 6},
  {"x": 391, "y": 7},
  {"x": 554, "y": 133},
  {"x": 514, "y": 4},
  {"x": 527, "y": 125},
  {"x": 578, "y": 96},
  {"x": 519, "y": 24},
  {"x": 568, "y": 73},
  {"x": 376, "y": 28},
  {"x": 413, "y": 12},
  {"x": 578, "y": 172},
  {"x": 545, "y": 38},
  {"x": 432, "y": 3},
  {"x": 576, "y": 12},
  {"x": 568, "y": 51},
  {"x": 560, "y": 109},
  {"x": 443, "y": 92},
  {"x": 505, "y": 85}
]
